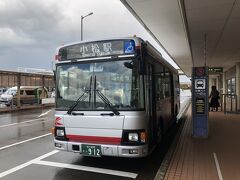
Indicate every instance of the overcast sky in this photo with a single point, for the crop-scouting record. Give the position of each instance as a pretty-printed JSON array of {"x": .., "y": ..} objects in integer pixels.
[{"x": 31, "y": 30}]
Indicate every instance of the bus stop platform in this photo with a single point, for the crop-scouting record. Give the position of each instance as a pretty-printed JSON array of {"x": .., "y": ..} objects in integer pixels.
[{"x": 214, "y": 158}]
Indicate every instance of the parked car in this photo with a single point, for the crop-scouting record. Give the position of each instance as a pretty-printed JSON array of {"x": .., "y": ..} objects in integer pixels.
[
  {"x": 7, "y": 96},
  {"x": 53, "y": 94},
  {"x": 28, "y": 95},
  {"x": 3, "y": 90}
]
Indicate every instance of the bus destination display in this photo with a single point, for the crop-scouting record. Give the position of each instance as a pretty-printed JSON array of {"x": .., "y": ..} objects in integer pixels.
[{"x": 97, "y": 49}]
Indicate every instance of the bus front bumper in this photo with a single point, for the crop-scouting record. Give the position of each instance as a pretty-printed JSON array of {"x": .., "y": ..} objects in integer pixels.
[{"x": 106, "y": 149}]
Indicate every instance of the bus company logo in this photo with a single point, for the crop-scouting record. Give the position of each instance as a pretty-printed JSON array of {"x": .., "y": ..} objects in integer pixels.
[{"x": 58, "y": 121}]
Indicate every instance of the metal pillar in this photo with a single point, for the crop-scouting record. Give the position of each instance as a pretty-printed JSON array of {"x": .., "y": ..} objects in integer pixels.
[
  {"x": 238, "y": 85},
  {"x": 18, "y": 90}
]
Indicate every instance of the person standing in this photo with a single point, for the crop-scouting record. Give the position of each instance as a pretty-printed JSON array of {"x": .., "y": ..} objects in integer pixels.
[{"x": 214, "y": 102}]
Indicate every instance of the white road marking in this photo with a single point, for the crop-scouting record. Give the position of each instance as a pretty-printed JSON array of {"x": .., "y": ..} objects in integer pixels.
[
  {"x": 89, "y": 169},
  {"x": 10, "y": 171},
  {"x": 43, "y": 114},
  {"x": 21, "y": 142},
  {"x": 217, "y": 166},
  {"x": 13, "y": 124}
]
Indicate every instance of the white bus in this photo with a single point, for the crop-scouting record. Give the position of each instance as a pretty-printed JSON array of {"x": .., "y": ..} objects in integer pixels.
[{"x": 113, "y": 98}]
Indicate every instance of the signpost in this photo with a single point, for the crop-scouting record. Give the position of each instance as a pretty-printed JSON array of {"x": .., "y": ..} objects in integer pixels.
[
  {"x": 97, "y": 49},
  {"x": 200, "y": 102},
  {"x": 215, "y": 70}
]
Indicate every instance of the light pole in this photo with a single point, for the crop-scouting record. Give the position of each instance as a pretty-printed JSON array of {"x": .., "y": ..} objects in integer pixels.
[{"x": 82, "y": 17}]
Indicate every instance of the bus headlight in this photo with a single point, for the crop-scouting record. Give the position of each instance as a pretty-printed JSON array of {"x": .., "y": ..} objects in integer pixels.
[
  {"x": 133, "y": 137},
  {"x": 60, "y": 133}
]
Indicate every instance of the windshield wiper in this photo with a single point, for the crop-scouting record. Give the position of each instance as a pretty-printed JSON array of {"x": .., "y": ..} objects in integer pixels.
[
  {"x": 105, "y": 99},
  {"x": 107, "y": 102},
  {"x": 81, "y": 98}
]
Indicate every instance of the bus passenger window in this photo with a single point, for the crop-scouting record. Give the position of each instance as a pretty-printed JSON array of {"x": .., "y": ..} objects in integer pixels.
[
  {"x": 159, "y": 89},
  {"x": 167, "y": 89}
]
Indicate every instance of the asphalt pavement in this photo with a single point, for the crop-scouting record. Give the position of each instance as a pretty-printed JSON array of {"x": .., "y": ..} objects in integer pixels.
[{"x": 27, "y": 152}]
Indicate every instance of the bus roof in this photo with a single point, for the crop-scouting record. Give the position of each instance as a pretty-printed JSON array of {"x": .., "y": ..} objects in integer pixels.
[{"x": 155, "y": 53}]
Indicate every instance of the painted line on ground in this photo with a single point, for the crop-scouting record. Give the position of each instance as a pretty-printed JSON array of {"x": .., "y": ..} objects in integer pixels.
[
  {"x": 43, "y": 114},
  {"x": 10, "y": 171},
  {"x": 183, "y": 108},
  {"x": 89, "y": 169},
  {"x": 14, "y": 124},
  {"x": 21, "y": 142},
  {"x": 217, "y": 166}
]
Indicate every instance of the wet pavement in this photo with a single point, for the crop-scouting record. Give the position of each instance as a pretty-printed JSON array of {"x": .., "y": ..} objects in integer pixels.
[{"x": 27, "y": 152}]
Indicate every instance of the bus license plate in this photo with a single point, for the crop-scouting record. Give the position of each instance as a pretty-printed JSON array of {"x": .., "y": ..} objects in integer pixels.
[{"x": 91, "y": 150}]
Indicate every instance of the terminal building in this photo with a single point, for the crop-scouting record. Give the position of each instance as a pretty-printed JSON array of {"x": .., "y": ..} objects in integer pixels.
[
  {"x": 11, "y": 78},
  {"x": 18, "y": 88},
  {"x": 202, "y": 37},
  {"x": 195, "y": 34}
]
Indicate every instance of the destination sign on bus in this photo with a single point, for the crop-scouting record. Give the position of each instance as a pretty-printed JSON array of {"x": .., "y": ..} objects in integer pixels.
[{"x": 97, "y": 49}]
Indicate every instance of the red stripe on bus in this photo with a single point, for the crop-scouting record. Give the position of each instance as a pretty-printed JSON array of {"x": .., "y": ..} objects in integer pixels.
[{"x": 94, "y": 139}]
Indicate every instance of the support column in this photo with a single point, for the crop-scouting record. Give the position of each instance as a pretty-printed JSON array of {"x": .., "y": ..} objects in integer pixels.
[
  {"x": 1, "y": 80},
  {"x": 224, "y": 82},
  {"x": 238, "y": 84},
  {"x": 43, "y": 86},
  {"x": 221, "y": 84},
  {"x": 210, "y": 84},
  {"x": 218, "y": 83},
  {"x": 18, "y": 90}
]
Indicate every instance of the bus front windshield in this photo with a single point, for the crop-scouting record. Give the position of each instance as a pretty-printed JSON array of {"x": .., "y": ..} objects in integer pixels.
[{"x": 118, "y": 82}]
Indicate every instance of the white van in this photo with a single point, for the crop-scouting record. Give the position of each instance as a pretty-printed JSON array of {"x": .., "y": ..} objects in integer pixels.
[{"x": 28, "y": 95}]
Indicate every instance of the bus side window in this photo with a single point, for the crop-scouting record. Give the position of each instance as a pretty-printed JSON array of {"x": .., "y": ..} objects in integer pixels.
[
  {"x": 167, "y": 83},
  {"x": 159, "y": 82},
  {"x": 159, "y": 90}
]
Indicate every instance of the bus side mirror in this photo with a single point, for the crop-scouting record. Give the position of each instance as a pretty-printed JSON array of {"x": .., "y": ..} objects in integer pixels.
[{"x": 128, "y": 65}]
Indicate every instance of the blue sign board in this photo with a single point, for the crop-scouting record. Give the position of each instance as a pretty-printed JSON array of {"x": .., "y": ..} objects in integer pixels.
[
  {"x": 129, "y": 47},
  {"x": 200, "y": 102}
]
